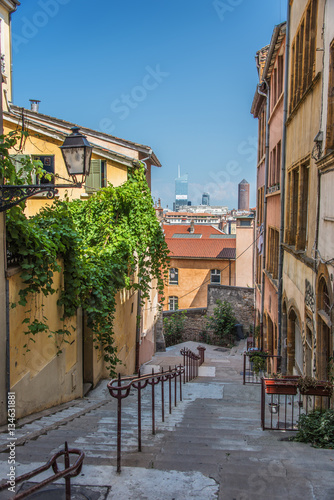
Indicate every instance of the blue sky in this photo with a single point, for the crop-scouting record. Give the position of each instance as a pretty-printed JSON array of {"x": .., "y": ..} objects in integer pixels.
[{"x": 177, "y": 75}]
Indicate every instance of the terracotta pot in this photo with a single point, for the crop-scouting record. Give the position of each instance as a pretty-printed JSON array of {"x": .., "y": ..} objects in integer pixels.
[{"x": 274, "y": 386}]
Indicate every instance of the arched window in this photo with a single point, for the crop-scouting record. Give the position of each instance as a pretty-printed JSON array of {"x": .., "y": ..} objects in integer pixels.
[
  {"x": 173, "y": 303},
  {"x": 173, "y": 276},
  {"x": 324, "y": 331},
  {"x": 215, "y": 276}
]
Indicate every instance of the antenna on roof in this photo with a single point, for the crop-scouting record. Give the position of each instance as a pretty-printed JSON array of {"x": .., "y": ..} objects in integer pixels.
[{"x": 179, "y": 171}]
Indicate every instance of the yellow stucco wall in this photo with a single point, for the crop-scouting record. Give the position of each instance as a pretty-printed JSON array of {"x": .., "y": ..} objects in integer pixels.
[
  {"x": 35, "y": 359},
  {"x": 3, "y": 349},
  {"x": 6, "y": 51},
  {"x": 37, "y": 144}
]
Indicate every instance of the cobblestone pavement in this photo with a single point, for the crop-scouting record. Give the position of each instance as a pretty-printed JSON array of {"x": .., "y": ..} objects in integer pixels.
[{"x": 210, "y": 447}]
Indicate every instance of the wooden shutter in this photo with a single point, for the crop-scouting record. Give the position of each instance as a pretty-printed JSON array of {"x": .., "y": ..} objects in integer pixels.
[
  {"x": 93, "y": 181},
  {"x": 17, "y": 160}
]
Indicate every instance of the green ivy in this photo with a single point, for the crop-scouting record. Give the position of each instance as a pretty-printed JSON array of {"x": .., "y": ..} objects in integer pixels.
[{"x": 103, "y": 241}]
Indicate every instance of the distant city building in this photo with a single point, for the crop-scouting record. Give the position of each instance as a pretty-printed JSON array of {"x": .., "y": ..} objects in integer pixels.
[
  {"x": 181, "y": 191},
  {"x": 205, "y": 199},
  {"x": 217, "y": 210},
  {"x": 243, "y": 195}
]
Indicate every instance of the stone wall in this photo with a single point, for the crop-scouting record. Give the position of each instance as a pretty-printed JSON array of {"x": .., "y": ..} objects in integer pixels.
[
  {"x": 194, "y": 324},
  {"x": 241, "y": 299}
]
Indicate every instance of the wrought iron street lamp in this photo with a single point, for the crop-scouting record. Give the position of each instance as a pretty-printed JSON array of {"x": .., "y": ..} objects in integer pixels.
[{"x": 76, "y": 152}]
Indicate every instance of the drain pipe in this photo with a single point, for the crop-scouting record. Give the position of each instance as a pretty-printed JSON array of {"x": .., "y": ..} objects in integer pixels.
[
  {"x": 283, "y": 170},
  {"x": 266, "y": 166}
]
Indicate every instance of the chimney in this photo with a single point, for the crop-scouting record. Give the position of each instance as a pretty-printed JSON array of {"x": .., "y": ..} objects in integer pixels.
[
  {"x": 192, "y": 227},
  {"x": 34, "y": 105}
]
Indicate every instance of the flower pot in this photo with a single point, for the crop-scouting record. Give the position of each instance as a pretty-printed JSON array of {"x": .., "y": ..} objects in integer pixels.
[
  {"x": 275, "y": 386},
  {"x": 273, "y": 407},
  {"x": 320, "y": 390}
]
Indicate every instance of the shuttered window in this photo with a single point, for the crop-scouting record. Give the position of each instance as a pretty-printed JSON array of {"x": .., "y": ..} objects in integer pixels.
[{"x": 97, "y": 176}]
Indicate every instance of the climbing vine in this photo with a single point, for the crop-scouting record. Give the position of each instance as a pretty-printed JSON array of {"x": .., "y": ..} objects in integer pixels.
[{"x": 108, "y": 242}]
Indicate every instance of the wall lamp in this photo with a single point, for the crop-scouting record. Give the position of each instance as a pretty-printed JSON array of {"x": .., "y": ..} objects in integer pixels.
[{"x": 76, "y": 152}]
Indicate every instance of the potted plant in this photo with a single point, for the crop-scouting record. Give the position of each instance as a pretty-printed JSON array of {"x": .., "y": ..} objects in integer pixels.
[
  {"x": 258, "y": 362},
  {"x": 309, "y": 386}
]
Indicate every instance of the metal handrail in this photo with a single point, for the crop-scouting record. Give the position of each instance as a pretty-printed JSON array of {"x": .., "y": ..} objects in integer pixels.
[
  {"x": 68, "y": 472},
  {"x": 249, "y": 377},
  {"x": 120, "y": 388}
]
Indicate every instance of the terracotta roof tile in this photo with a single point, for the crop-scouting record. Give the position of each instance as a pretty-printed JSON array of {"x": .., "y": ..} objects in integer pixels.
[{"x": 204, "y": 247}]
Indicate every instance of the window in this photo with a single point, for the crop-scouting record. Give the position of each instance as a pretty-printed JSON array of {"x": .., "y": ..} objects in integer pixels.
[
  {"x": 273, "y": 252},
  {"x": 324, "y": 330},
  {"x": 245, "y": 222},
  {"x": 330, "y": 108},
  {"x": 18, "y": 161},
  {"x": 299, "y": 351},
  {"x": 303, "y": 54},
  {"x": 260, "y": 204},
  {"x": 173, "y": 303},
  {"x": 97, "y": 177},
  {"x": 297, "y": 207},
  {"x": 173, "y": 276},
  {"x": 215, "y": 276},
  {"x": 274, "y": 167},
  {"x": 262, "y": 134},
  {"x": 49, "y": 166},
  {"x": 258, "y": 267}
]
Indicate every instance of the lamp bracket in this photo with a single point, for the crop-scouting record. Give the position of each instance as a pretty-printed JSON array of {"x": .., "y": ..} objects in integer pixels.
[{"x": 13, "y": 195}]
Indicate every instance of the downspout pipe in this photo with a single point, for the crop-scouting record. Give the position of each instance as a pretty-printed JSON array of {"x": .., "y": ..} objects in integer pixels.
[
  {"x": 283, "y": 170},
  {"x": 266, "y": 168}
]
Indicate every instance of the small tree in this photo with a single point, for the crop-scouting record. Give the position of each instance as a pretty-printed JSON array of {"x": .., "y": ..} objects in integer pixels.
[
  {"x": 222, "y": 323},
  {"x": 173, "y": 328}
]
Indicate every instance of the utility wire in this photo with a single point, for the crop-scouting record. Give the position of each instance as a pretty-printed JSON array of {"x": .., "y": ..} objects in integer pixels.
[{"x": 209, "y": 279}]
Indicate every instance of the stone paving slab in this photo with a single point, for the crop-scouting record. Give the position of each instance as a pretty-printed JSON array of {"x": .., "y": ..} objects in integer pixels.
[{"x": 212, "y": 446}]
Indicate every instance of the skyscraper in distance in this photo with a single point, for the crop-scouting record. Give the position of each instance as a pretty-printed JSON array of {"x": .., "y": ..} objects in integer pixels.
[
  {"x": 243, "y": 195},
  {"x": 206, "y": 199},
  {"x": 181, "y": 190}
]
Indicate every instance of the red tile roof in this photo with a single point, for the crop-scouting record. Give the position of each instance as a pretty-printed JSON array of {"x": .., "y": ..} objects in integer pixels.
[{"x": 203, "y": 247}]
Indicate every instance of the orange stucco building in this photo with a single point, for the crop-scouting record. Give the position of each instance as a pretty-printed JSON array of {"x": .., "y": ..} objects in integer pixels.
[{"x": 199, "y": 255}]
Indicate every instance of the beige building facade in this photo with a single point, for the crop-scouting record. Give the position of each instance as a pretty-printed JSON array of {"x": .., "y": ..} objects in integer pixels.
[{"x": 300, "y": 323}]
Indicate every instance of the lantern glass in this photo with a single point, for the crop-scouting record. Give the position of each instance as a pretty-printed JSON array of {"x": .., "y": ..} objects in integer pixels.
[{"x": 77, "y": 153}]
